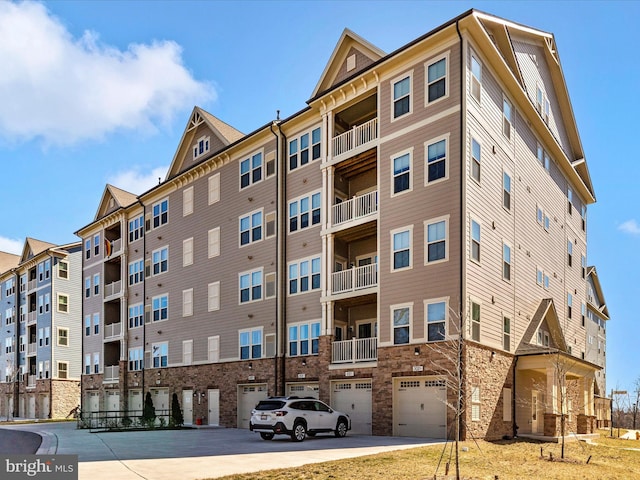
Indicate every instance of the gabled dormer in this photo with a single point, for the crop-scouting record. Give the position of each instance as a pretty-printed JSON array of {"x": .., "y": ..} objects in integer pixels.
[
  {"x": 203, "y": 136},
  {"x": 544, "y": 331},
  {"x": 33, "y": 247},
  {"x": 595, "y": 296},
  {"x": 351, "y": 55},
  {"x": 113, "y": 198}
]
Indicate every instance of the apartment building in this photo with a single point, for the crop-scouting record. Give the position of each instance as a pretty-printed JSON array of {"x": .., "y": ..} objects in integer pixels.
[
  {"x": 434, "y": 193},
  {"x": 40, "y": 307}
]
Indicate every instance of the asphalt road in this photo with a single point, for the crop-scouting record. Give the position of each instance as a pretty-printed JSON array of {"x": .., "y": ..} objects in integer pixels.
[{"x": 19, "y": 442}]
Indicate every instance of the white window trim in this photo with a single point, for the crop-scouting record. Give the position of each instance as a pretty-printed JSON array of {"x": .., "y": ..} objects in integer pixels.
[
  {"x": 139, "y": 229},
  {"x": 213, "y": 305},
  {"x": 298, "y": 262},
  {"x": 187, "y": 201},
  {"x": 508, "y": 173},
  {"x": 60, "y": 294},
  {"x": 152, "y": 310},
  {"x": 431, "y": 141},
  {"x": 392, "y": 233},
  {"x": 249, "y": 272},
  {"x": 311, "y": 225},
  {"x": 431, "y": 301},
  {"x": 186, "y": 261},
  {"x": 310, "y": 339},
  {"x": 213, "y": 349},
  {"x": 476, "y": 403},
  {"x": 478, "y": 302},
  {"x": 262, "y": 228},
  {"x": 262, "y": 343},
  {"x": 207, "y": 141},
  {"x": 509, "y": 138},
  {"x": 429, "y": 62},
  {"x": 477, "y": 261},
  {"x": 186, "y": 343},
  {"x": 399, "y": 306},
  {"x": 472, "y": 160},
  {"x": 213, "y": 234},
  {"x": 58, "y": 336},
  {"x": 140, "y": 306},
  {"x": 159, "y": 202},
  {"x": 61, "y": 262},
  {"x": 474, "y": 56},
  {"x": 263, "y": 167},
  {"x": 445, "y": 219},
  {"x": 152, "y": 264},
  {"x": 392, "y": 83},
  {"x": 502, "y": 262},
  {"x": 408, "y": 151},
  {"x": 159, "y": 346},
  {"x": 297, "y": 137}
]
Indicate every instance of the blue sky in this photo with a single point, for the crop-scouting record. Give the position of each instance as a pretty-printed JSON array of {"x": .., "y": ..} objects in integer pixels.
[{"x": 81, "y": 103}]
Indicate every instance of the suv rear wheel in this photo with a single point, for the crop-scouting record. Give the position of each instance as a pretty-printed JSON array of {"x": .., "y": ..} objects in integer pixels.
[
  {"x": 299, "y": 432},
  {"x": 266, "y": 435},
  {"x": 341, "y": 428}
]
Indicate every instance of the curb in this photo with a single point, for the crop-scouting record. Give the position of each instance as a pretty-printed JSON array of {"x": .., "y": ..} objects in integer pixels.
[{"x": 49, "y": 445}]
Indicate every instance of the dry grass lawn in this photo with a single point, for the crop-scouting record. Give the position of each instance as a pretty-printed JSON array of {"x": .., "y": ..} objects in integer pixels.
[{"x": 513, "y": 459}]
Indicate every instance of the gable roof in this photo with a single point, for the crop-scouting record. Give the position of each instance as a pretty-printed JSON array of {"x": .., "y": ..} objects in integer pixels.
[
  {"x": 224, "y": 132},
  {"x": 545, "y": 313},
  {"x": 121, "y": 199},
  {"x": 347, "y": 43},
  {"x": 33, "y": 247},
  {"x": 8, "y": 261},
  {"x": 602, "y": 308}
]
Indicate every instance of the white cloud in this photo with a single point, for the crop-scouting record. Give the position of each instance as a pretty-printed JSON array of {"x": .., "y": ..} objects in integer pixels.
[
  {"x": 630, "y": 226},
  {"x": 64, "y": 90},
  {"x": 9, "y": 245},
  {"x": 137, "y": 181}
]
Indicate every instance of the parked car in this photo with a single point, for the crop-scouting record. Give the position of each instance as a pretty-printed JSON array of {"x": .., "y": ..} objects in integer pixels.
[{"x": 297, "y": 417}]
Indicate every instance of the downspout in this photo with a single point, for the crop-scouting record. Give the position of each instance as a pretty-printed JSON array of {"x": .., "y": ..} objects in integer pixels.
[
  {"x": 513, "y": 399},
  {"x": 463, "y": 306},
  {"x": 281, "y": 254},
  {"x": 15, "y": 384},
  {"x": 144, "y": 301}
]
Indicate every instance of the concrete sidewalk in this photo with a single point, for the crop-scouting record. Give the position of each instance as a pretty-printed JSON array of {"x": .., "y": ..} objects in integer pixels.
[{"x": 199, "y": 453}]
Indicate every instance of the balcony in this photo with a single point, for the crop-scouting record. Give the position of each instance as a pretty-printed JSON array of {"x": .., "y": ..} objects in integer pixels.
[
  {"x": 31, "y": 349},
  {"x": 113, "y": 330},
  {"x": 31, "y": 381},
  {"x": 113, "y": 289},
  {"x": 352, "y": 210},
  {"x": 111, "y": 373},
  {"x": 116, "y": 247},
  {"x": 355, "y": 350},
  {"x": 32, "y": 317},
  {"x": 31, "y": 285},
  {"x": 356, "y": 278},
  {"x": 359, "y": 139}
]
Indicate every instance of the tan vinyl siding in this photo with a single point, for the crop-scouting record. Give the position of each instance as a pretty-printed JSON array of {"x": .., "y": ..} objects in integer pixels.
[{"x": 362, "y": 61}]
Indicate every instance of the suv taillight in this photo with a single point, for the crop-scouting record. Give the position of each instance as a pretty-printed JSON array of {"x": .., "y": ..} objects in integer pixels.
[{"x": 280, "y": 413}]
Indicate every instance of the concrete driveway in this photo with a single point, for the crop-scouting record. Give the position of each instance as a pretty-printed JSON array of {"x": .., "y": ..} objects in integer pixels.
[{"x": 198, "y": 453}]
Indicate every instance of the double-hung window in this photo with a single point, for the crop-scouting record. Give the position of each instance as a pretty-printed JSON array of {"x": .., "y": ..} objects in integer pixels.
[
  {"x": 506, "y": 262},
  {"x": 136, "y": 229},
  {"x": 304, "y": 276},
  {"x": 402, "y": 97},
  {"x": 303, "y": 339},
  {"x": 506, "y": 190},
  {"x": 475, "y": 241},
  {"x": 160, "y": 260},
  {"x": 87, "y": 325},
  {"x": 436, "y": 245},
  {"x": 507, "y": 118},
  {"x": 304, "y": 149},
  {"x": 569, "y": 252},
  {"x": 136, "y": 359},
  {"x": 304, "y": 212},
  {"x": 96, "y": 362},
  {"x": 436, "y": 320},
  {"x": 476, "y": 155},
  {"x": 96, "y": 323},
  {"x": 160, "y": 213},
  {"x": 136, "y": 315},
  {"x": 250, "y": 343},
  {"x": 201, "y": 147},
  {"x": 569, "y": 305},
  {"x": 436, "y": 167},
  {"x": 475, "y": 321},
  {"x": 437, "y": 80},
  {"x": 506, "y": 333},
  {"x": 401, "y": 173},
  {"x": 401, "y": 244},
  {"x": 96, "y": 245},
  {"x": 476, "y": 78},
  {"x": 251, "y": 286},
  {"x": 251, "y": 228},
  {"x": 96, "y": 284},
  {"x": 251, "y": 170},
  {"x": 87, "y": 249},
  {"x": 136, "y": 272},
  {"x": 401, "y": 320},
  {"x": 160, "y": 308},
  {"x": 160, "y": 354}
]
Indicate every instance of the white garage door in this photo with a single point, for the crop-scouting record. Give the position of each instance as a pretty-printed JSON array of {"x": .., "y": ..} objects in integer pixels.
[
  {"x": 135, "y": 402},
  {"x": 43, "y": 405},
  {"x": 419, "y": 408},
  {"x": 31, "y": 406},
  {"x": 354, "y": 399},
  {"x": 248, "y": 398},
  {"x": 303, "y": 389},
  {"x": 112, "y": 403}
]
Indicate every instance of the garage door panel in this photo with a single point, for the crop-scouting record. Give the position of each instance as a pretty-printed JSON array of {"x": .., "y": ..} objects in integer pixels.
[
  {"x": 304, "y": 389},
  {"x": 248, "y": 398},
  {"x": 419, "y": 408},
  {"x": 354, "y": 399}
]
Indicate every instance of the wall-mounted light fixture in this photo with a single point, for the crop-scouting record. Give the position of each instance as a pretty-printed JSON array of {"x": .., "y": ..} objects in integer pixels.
[
  {"x": 304, "y": 363},
  {"x": 416, "y": 351},
  {"x": 250, "y": 365}
]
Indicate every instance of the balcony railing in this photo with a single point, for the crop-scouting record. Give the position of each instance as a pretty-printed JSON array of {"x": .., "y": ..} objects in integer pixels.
[
  {"x": 113, "y": 288},
  {"x": 116, "y": 245},
  {"x": 31, "y": 381},
  {"x": 111, "y": 373},
  {"x": 112, "y": 330},
  {"x": 32, "y": 317},
  {"x": 355, "y": 278},
  {"x": 358, "y": 136},
  {"x": 32, "y": 284},
  {"x": 355, "y": 208},
  {"x": 355, "y": 350},
  {"x": 31, "y": 348}
]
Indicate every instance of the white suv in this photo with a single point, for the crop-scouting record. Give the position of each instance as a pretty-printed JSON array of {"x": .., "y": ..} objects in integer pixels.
[{"x": 297, "y": 417}]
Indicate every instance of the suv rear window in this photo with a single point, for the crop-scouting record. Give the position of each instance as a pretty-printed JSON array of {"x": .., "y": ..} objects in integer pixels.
[{"x": 270, "y": 405}]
